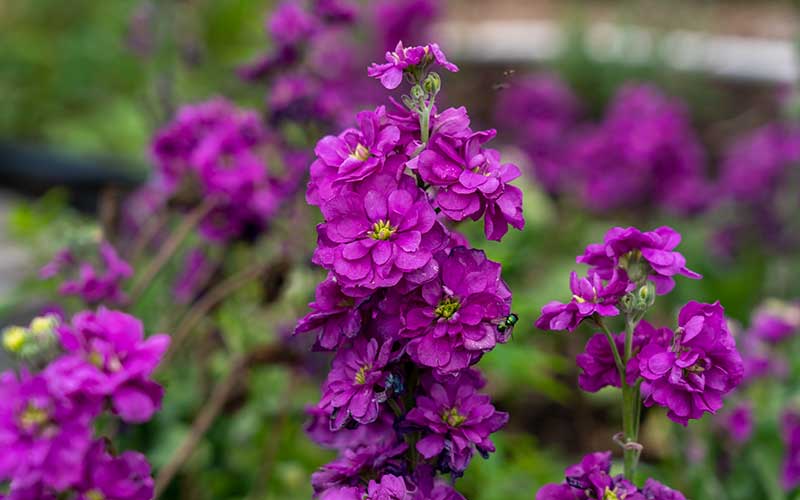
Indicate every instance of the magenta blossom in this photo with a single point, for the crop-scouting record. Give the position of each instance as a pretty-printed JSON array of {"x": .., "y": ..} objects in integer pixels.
[
  {"x": 775, "y": 321},
  {"x": 391, "y": 73},
  {"x": 125, "y": 477},
  {"x": 348, "y": 469},
  {"x": 642, "y": 255},
  {"x": 376, "y": 233},
  {"x": 93, "y": 282},
  {"x": 352, "y": 155},
  {"x": 690, "y": 373},
  {"x": 335, "y": 315},
  {"x": 598, "y": 368},
  {"x": 472, "y": 183},
  {"x": 112, "y": 343},
  {"x": 590, "y": 479},
  {"x": 456, "y": 421},
  {"x": 590, "y": 296},
  {"x": 290, "y": 24},
  {"x": 739, "y": 422},
  {"x": 351, "y": 384},
  {"x": 452, "y": 320},
  {"x": 43, "y": 434}
]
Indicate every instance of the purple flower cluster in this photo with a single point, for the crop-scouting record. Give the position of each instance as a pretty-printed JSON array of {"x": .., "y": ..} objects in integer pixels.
[
  {"x": 543, "y": 112},
  {"x": 93, "y": 282},
  {"x": 407, "y": 305},
  {"x": 757, "y": 187},
  {"x": 591, "y": 479},
  {"x": 215, "y": 152},
  {"x": 47, "y": 418},
  {"x": 625, "y": 260},
  {"x": 643, "y": 153},
  {"x": 317, "y": 48},
  {"x": 590, "y": 296},
  {"x": 642, "y": 255},
  {"x": 689, "y": 372}
]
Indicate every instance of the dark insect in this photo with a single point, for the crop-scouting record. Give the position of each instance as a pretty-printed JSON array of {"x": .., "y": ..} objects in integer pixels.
[{"x": 508, "y": 324}]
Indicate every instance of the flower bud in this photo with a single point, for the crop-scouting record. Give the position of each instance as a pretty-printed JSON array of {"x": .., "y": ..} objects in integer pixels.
[
  {"x": 14, "y": 338},
  {"x": 417, "y": 93},
  {"x": 409, "y": 103},
  {"x": 432, "y": 83},
  {"x": 647, "y": 295}
]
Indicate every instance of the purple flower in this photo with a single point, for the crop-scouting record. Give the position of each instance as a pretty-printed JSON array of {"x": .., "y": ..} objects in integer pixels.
[
  {"x": 790, "y": 425},
  {"x": 653, "y": 490},
  {"x": 93, "y": 283},
  {"x": 43, "y": 434},
  {"x": 739, "y": 422},
  {"x": 112, "y": 345},
  {"x": 755, "y": 163},
  {"x": 377, "y": 232},
  {"x": 336, "y": 11},
  {"x": 452, "y": 319},
  {"x": 642, "y": 255},
  {"x": 457, "y": 420},
  {"x": 775, "y": 321},
  {"x": 407, "y": 20},
  {"x": 352, "y": 155},
  {"x": 290, "y": 24},
  {"x": 690, "y": 373},
  {"x": 125, "y": 477},
  {"x": 590, "y": 296},
  {"x": 370, "y": 459},
  {"x": 597, "y": 361},
  {"x": 541, "y": 111},
  {"x": 388, "y": 488},
  {"x": 351, "y": 384},
  {"x": 391, "y": 73},
  {"x": 335, "y": 315},
  {"x": 215, "y": 151},
  {"x": 645, "y": 152},
  {"x": 319, "y": 428},
  {"x": 472, "y": 182},
  {"x": 590, "y": 479}
]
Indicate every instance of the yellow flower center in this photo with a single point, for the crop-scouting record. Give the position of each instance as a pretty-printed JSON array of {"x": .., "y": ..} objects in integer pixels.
[
  {"x": 95, "y": 495},
  {"x": 452, "y": 418},
  {"x": 447, "y": 307},
  {"x": 361, "y": 153},
  {"x": 33, "y": 418},
  {"x": 578, "y": 299},
  {"x": 382, "y": 230},
  {"x": 610, "y": 495},
  {"x": 14, "y": 338},
  {"x": 361, "y": 375}
]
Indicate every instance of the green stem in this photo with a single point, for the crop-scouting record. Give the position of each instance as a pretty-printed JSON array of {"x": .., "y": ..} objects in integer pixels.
[
  {"x": 617, "y": 359},
  {"x": 631, "y": 410},
  {"x": 424, "y": 122}
]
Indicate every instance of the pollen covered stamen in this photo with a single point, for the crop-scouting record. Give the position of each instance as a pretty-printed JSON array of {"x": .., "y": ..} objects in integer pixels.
[
  {"x": 33, "y": 418},
  {"x": 447, "y": 307},
  {"x": 361, "y": 153},
  {"x": 453, "y": 418},
  {"x": 382, "y": 230},
  {"x": 361, "y": 375}
]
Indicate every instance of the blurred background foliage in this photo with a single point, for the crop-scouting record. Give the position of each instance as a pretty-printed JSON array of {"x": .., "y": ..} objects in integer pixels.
[{"x": 98, "y": 77}]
